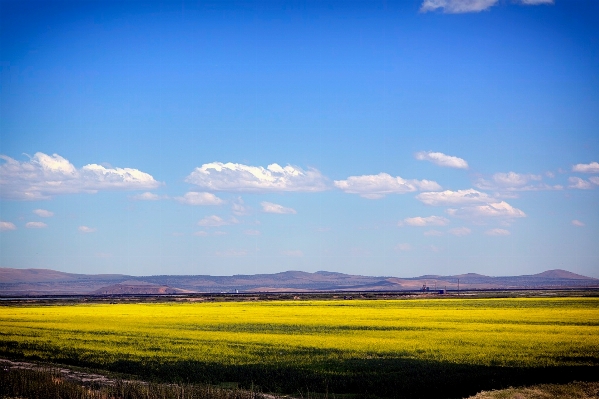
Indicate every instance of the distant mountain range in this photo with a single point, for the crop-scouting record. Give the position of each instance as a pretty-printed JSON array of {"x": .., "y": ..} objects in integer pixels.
[{"x": 16, "y": 282}]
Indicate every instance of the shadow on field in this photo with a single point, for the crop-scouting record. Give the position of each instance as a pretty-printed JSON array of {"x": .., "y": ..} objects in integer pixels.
[
  {"x": 379, "y": 377},
  {"x": 396, "y": 378},
  {"x": 389, "y": 378}
]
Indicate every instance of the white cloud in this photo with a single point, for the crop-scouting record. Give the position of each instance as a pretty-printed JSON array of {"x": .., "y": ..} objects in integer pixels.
[
  {"x": 46, "y": 175},
  {"x": 594, "y": 180},
  {"x": 85, "y": 229},
  {"x": 147, "y": 196},
  {"x": 5, "y": 226},
  {"x": 216, "y": 221},
  {"x": 577, "y": 182},
  {"x": 592, "y": 167},
  {"x": 433, "y": 233},
  {"x": 293, "y": 253},
  {"x": 457, "y": 6},
  {"x": 269, "y": 207},
  {"x": 252, "y": 232},
  {"x": 499, "y": 209},
  {"x": 43, "y": 213},
  {"x": 440, "y": 159},
  {"x": 460, "y": 231},
  {"x": 535, "y": 2},
  {"x": 497, "y": 232},
  {"x": 426, "y": 221},
  {"x": 513, "y": 181},
  {"x": 377, "y": 186},
  {"x": 36, "y": 225},
  {"x": 229, "y": 176},
  {"x": 459, "y": 197},
  {"x": 577, "y": 223},
  {"x": 239, "y": 207},
  {"x": 200, "y": 233},
  {"x": 403, "y": 247},
  {"x": 195, "y": 198}
]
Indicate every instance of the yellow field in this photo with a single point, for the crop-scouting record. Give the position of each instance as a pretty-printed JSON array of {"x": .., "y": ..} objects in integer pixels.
[{"x": 309, "y": 335}]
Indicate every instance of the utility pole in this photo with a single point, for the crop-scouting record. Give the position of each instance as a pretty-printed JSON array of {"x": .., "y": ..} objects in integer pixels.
[{"x": 458, "y": 286}]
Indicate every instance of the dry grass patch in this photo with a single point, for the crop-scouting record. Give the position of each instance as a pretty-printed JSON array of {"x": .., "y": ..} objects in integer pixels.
[{"x": 574, "y": 390}]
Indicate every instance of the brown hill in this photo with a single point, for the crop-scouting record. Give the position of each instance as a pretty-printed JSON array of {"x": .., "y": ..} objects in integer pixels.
[
  {"x": 137, "y": 288},
  {"x": 18, "y": 282}
]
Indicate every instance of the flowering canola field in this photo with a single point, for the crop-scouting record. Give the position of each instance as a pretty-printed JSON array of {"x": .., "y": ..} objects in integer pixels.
[{"x": 309, "y": 342}]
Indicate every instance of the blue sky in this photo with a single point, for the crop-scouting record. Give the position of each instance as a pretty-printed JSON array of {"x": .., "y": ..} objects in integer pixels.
[{"x": 377, "y": 138}]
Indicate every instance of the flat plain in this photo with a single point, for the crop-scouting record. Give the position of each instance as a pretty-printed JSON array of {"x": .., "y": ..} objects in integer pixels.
[{"x": 450, "y": 347}]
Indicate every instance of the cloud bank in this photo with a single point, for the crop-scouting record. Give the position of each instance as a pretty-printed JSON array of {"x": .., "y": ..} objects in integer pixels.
[
  {"x": 440, "y": 159},
  {"x": 46, "y": 175},
  {"x": 377, "y": 186},
  {"x": 218, "y": 176}
]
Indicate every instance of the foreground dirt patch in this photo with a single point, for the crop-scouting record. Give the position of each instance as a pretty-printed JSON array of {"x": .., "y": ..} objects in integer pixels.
[{"x": 574, "y": 390}]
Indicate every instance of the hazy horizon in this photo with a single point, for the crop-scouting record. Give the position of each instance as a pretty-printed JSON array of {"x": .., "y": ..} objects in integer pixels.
[{"x": 396, "y": 138}]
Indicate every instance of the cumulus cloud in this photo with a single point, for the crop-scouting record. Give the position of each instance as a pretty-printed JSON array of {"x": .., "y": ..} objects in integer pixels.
[
  {"x": 577, "y": 223},
  {"x": 215, "y": 221},
  {"x": 377, "y": 186},
  {"x": 457, "y": 6},
  {"x": 440, "y": 159},
  {"x": 449, "y": 197},
  {"x": 269, "y": 207},
  {"x": 403, "y": 247},
  {"x": 592, "y": 167},
  {"x": 86, "y": 229},
  {"x": 43, "y": 213},
  {"x": 195, "y": 198},
  {"x": 46, "y": 175},
  {"x": 36, "y": 225},
  {"x": 577, "y": 182},
  {"x": 426, "y": 221},
  {"x": 147, "y": 196},
  {"x": 513, "y": 181},
  {"x": 218, "y": 176},
  {"x": 251, "y": 232},
  {"x": 498, "y": 210},
  {"x": 460, "y": 231},
  {"x": 6, "y": 226},
  {"x": 497, "y": 232}
]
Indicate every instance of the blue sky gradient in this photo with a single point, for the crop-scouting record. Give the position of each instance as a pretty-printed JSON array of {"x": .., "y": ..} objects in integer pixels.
[{"x": 332, "y": 90}]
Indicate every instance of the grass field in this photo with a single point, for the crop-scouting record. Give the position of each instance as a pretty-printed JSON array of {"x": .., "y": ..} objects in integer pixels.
[{"x": 399, "y": 348}]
